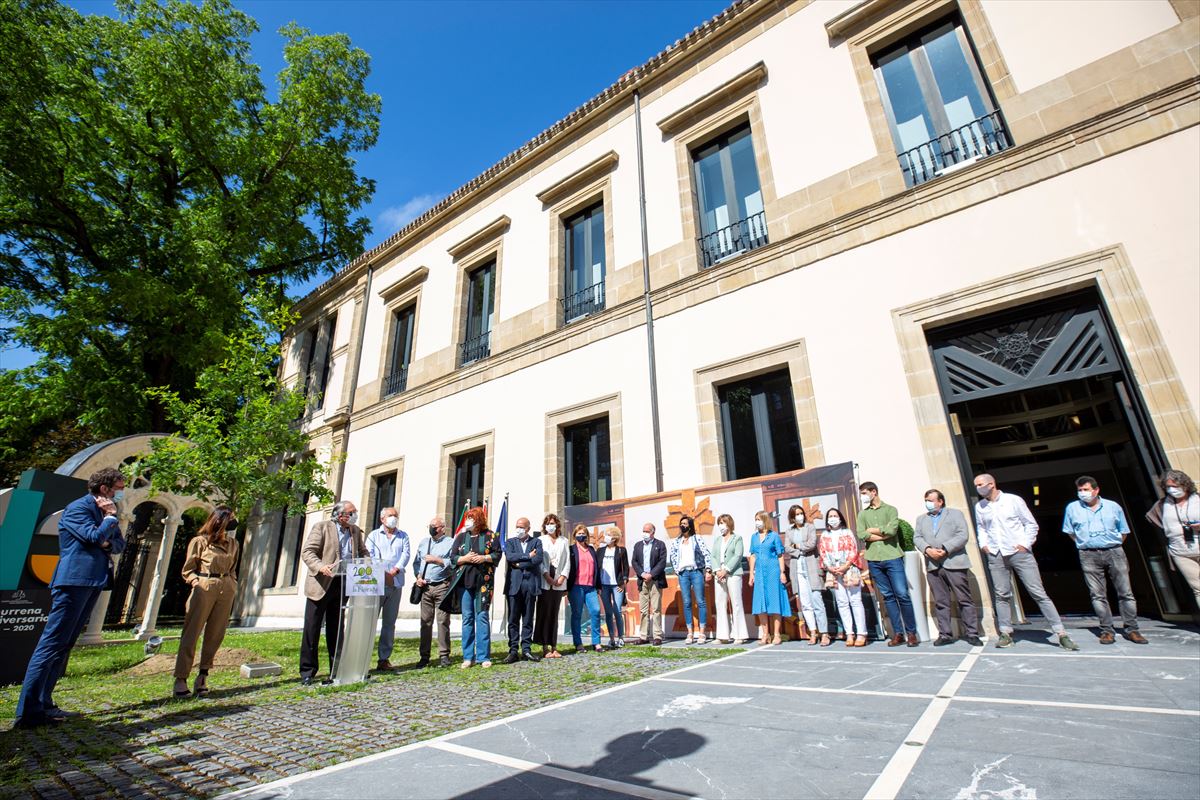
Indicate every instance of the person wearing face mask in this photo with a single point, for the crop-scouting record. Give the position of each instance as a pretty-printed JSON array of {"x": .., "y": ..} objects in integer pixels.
[
  {"x": 879, "y": 527},
  {"x": 614, "y": 574},
  {"x": 474, "y": 556},
  {"x": 1178, "y": 514},
  {"x": 431, "y": 565},
  {"x": 523, "y": 584},
  {"x": 1099, "y": 529},
  {"x": 88, "y": 534},
  {"x": 842, "y": 564},
  {"x": 941, "y": 535},
  {"x": 556, "y": 569},
  {"x": 801, "y": 544},
  {"x": 768, "y": 576},
  {"x": 582, "y": 594},
  {"x": 728, "y": 607},
  {"x": 329, "y": 543},
  {"x": 389, "y": 544},
  {"x": 1006, "y": 532},
  {"x": 693, "y": 565},
  {"x": 210, "y": 569},
  {"x": 649, "y": 564}
]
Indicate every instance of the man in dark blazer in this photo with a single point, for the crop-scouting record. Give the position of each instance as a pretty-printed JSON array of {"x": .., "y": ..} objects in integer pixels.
[
  {"x": 523, "y": 583},
  {"x": 326, "y": 545},
  {"x": 650, "y": 565},
  {"x": 88, "y": 533},
  {"x": 941, "y": 535}
]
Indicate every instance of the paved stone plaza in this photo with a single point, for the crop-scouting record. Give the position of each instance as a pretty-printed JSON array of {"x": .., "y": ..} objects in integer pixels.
[{"x": 796, "y": 721}]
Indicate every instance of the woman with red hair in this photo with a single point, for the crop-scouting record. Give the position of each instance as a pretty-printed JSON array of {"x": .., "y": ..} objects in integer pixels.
[{"x": 474, "y": 556}]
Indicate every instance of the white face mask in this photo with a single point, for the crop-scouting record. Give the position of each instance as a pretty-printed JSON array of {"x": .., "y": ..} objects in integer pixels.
[
  {"x": 865, "y": 498},
  {"x": 118, "y": 495},
  {"x": 723, "y": 528},
  {"x": 1175, "y": 492},
  {"x": 469, "y": 524},
  {"x": 1085, "y": 497},
  {"x": 930, "y": 506},
  {"x": 647, "y": 535},
  {"x": 608, "y": 540},
  {"x": 523, "y": 532},
  {"x": 758, "y": 524},
  {"x": 391, "y": 522},
  {"x": 835, "y": 522},
  {"x": 551, "y": 528},
  {"x": 984, "y": 490},
  {"x": 353, "y": 518}
]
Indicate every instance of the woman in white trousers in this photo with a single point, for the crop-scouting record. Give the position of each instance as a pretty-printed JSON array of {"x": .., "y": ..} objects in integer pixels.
[
  {"x": 801, "y": 546},
  {"x": 727, "y": 551},
  {"x": 842, "y": 564}
]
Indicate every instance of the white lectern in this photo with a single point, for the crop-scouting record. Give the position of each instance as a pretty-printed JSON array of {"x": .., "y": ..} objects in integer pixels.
[{"x": 362, "y": 590}]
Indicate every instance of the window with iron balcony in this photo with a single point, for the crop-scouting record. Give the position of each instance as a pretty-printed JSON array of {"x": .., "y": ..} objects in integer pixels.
[
  {"x": 481, "y": 300},
  {"x": 940, "y": 110},
  {"x": 583, "y": 293},
  {"x": 396, "y": 379},
  {"x": 732, "y": 219}
]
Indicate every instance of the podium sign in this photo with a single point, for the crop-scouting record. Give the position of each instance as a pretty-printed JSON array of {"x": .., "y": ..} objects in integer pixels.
[{"x": 362, "y": 590}]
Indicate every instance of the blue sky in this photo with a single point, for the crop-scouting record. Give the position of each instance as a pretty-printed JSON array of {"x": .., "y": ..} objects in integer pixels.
[{"x": 464, "y": 82}]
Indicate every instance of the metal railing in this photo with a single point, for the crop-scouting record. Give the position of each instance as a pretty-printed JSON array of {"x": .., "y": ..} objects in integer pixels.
[
  {"x": 584, "y": 302},
  {"x": 475, "y": 348},
  {"x": 977, "y": 139},
  {"x": 395, "y": 383},
  {"x": 740, "y": 237}
]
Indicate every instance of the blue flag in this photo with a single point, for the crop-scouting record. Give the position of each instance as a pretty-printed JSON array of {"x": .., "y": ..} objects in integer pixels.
[{"x": 502, "y": 523}]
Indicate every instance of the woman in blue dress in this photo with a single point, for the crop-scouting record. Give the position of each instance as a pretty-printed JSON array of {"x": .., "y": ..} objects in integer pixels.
[{"x": 769, "y": 579}]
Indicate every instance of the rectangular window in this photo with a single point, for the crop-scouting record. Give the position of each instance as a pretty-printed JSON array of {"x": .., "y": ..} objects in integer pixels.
[
  {"x": 584, "y": 290},
  {"x": 481, "y": 301},
  {"x": 302, "y": 509},
  {"x": 939, "y": 108},
  {"x": 732, "y": 220},
  {"x": 385, "y": 495},
  {"x": 279, "y": 541},
  {"x": 468, "y": 482},
  {"x": 403, "y": 325},
  {"x": 308, "y": 371},
  {"x": 326, "y": 343},
  {"x": 758, "y": 424},
  {"x": 586, "y": 459}
]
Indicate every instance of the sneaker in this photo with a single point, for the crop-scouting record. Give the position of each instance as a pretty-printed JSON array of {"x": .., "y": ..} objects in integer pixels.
[
  {"x": 620, "y": 642},
  {"x": 1136, "y": 637},
  {"x": 1065, "y": 643},
  {"x": 444, "y": 661},
  {"x": 1005, "y": 640}
]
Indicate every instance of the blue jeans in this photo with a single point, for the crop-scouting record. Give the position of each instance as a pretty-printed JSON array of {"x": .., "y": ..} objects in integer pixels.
[
  {"x": 70, "y": 607},
  {"x": 613, "y": 597},
  {"x": 690, "y": 581},
  {"x": 893, "y": 585},
  {"x": 476, "y": 633},
  {"x": 580, "y": 596}
]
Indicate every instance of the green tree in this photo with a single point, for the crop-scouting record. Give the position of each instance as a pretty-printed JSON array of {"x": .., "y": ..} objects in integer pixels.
[
  {"x": 239, "y": 440},
  {"x": 148, "y": 179}
]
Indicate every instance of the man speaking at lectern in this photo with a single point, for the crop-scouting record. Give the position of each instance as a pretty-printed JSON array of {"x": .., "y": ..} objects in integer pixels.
[{"x": 328, "y": 543}]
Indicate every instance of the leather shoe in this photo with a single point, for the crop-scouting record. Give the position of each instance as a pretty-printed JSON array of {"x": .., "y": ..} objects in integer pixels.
[
  {"x": 424, "y": 662},
  {"x": 943, "y": 640},
  {"x": 327, "y": 682},
  {"x": 1136, "y": 637},
  {"x": 513, "y": 657},
  {"x": 913, "y": 641},
  {"x": 1107, "y": 638},
  {"x": 896, "y": 640},
  {"x": 529, "y": 655},
  {"x": 974, "y": 641},
  {"x": 384, "y": 666},
  {"x": 658, "y": 642}
]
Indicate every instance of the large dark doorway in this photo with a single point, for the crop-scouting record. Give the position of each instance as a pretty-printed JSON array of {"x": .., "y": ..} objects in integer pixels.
[{"x": 1039, "y": 396}]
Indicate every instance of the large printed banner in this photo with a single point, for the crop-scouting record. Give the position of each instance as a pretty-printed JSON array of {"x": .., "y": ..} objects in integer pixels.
[{"x": 816, "y": 490}]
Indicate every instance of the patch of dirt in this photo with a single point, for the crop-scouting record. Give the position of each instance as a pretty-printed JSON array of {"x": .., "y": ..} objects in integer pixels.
[{"x": 163, "y": 663}]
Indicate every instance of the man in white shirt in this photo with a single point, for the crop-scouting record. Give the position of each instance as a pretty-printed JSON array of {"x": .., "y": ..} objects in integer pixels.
[
  {"x": 1007, "y": 532},
  {"x": 389, "y": 544}
]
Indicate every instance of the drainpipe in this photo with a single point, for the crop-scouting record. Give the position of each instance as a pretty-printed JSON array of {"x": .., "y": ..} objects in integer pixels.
[
  {"x": 657, "y": 432},
  {"x": 352, "y": 376}
]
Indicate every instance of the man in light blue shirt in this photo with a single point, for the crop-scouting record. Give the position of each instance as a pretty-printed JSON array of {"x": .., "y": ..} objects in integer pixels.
[
  {"x": 1099, "y": 529},
  {"x": 432, "y": 567},
  {"x": 389, "y": 544}
]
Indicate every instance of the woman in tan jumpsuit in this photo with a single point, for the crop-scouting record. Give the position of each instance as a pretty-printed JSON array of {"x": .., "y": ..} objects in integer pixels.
[{"x": 210, "y": 570}]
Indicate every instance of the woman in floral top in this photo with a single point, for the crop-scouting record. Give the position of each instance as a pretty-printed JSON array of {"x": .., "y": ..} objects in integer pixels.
[{"x": 842, "y": 564}]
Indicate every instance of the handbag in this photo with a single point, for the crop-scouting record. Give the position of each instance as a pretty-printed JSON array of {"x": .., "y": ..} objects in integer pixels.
[
  {"x": 418, "y": 591},
  {"x": 853, "y": 577}
]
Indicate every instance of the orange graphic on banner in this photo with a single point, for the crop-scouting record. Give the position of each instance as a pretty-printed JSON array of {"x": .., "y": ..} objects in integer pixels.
[
  {"x": 702, "y": 516},
  {"x": 42, "y": 567}
]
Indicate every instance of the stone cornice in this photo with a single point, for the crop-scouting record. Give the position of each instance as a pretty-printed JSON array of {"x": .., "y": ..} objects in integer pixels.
[
  {"x": 701, "y": 107},
  {"x": 480, "y": 238},
  {"x": 857, "y": 16},
  {"x": 578, "y": 179},
  {"x": 417, "y": 276}
]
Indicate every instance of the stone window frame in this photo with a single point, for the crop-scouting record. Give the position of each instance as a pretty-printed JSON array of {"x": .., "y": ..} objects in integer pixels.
[
  {"x": 370, "y": 473},
  {"x": 876, "y": 26},
  {"x": 584, "y": 411},
  {"x": 396, "y": 297},
  {"x": 709, "y": 379},
  {"x": 586, "y": 187},
  {"x": 731, "y": 105},
  {"x": 486, "y": 244},
  {"x": 450, "y": 450}
]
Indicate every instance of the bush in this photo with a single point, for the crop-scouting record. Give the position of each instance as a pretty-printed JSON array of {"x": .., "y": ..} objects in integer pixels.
[{"x": 906, "y": 536}]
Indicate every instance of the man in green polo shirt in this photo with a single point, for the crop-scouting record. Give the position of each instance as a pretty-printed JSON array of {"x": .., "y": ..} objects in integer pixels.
[{"x": 879, "y": 527}]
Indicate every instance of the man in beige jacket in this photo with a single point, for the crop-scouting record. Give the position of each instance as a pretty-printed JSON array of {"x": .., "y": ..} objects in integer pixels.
[{"x": 325, "y": 546}]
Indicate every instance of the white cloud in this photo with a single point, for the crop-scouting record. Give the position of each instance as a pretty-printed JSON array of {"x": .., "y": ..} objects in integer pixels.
[{"x": 394, "y": 218}]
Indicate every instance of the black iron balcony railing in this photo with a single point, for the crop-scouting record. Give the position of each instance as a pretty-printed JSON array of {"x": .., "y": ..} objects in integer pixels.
[
  {"x": 584, "y": 302},
  {"x": 977, "y": 139},
  {"x": 475, "y": 348},
  {"x": 395, "y": 383},
  {"x": 740, "y": 237}
]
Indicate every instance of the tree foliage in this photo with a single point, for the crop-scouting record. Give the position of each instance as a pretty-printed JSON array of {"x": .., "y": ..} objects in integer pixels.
[
  {"x": 239, "y": 439},
  {"x": 148, "y": 180}
]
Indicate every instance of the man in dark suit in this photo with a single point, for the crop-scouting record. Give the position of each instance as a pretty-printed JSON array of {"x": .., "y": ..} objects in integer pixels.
[
  {"x": 88, "y": 533},
  {"x": 650, "y": 565},
  {"x": 326, "y": 545},
  {"x": 523, "y": 583}
]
